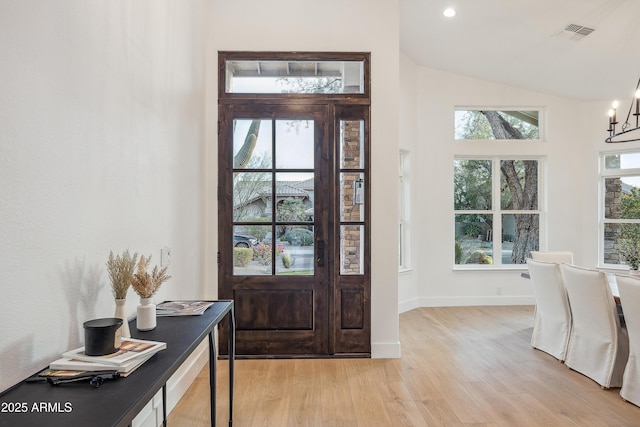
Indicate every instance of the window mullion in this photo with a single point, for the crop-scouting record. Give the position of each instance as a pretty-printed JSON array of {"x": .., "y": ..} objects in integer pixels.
[{"x": 496, "y": 208}]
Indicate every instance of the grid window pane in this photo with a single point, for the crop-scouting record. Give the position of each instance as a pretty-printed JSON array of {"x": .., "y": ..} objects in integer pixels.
[
  {"x": 252, "y": 144},
  {"x": 252, "y": 196},
  {"x": 519, "y": 184},
  {"x": 472, "y": 184},
  {"x": 352, "y": 144},
  {"x": 294, "y": 144},
  {"x": 474, "y": 237},
  {"x": 252, "y": 250},
  {"x": 295, "y": 250},
  {"x": 352, "y": 197},
  {"x": 351, "y": 249},
  {"x": 517, "y": 250},
  {"x": 622, "y": 197}
]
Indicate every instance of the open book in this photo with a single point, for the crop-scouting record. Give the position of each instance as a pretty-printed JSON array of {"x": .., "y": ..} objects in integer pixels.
[
  {"x": 182, "y": 308},
  {"x": 130, "y": 349}
]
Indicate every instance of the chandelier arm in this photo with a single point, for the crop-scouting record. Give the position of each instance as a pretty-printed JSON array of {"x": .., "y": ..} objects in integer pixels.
[
  {"x": 610, "y": 140},
  {"x": 626, "y": 125},
  {"x": 626, "y": 122}
]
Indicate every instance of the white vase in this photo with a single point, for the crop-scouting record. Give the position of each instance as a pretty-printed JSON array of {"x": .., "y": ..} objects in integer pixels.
[
  {"x": 146, "y": 319},
  {"x": 122, "y": 314}
]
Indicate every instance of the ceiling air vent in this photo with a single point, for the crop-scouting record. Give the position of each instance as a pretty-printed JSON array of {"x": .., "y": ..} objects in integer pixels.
[{"x": 574, "y": 32}]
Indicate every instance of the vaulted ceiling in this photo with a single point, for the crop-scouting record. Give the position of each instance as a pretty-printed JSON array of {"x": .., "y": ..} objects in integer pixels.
[{"x": 582, "y": 49}]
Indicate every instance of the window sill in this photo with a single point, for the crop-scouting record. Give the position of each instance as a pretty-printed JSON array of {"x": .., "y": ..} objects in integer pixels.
[
  {"x": 613, "y": 269},
  {"x": 476, "y": 267}
]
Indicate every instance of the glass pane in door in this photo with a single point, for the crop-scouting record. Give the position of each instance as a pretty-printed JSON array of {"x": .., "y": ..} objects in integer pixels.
[
  {"x": 294, "y": 197},
  {"x": 352, "y": 249},
  {"x": 252, "y": 250},
  {"x": 252, "y": 196},
  {"x": 252, "y": 147},
  {"x": 295, "y": 250},
  {"x": 294, "y": 144},
  {"x": 352, "y": 144},
  {"x": 351, "y": 197}
]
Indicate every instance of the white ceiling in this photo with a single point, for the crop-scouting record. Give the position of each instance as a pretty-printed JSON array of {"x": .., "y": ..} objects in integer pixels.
[{"x": 522, "y": 43}]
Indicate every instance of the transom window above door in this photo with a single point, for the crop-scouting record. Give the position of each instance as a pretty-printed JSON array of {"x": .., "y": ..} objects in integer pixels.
[
  {"x": 295, "y": 77},
  {"x": 295, "y": 74}
]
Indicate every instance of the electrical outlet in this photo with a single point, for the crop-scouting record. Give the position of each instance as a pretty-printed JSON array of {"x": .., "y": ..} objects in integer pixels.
[
  {"x": 499, "y": 290},
  {"x": 165, "y": 257}
]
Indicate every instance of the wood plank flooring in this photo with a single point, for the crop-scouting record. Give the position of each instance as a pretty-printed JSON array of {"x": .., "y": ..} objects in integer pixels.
[{"x": 460, "y": 366}]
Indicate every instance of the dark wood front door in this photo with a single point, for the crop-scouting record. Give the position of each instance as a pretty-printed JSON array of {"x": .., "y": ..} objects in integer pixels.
[
  {"x": 293, "y": 197},
  {"x": 274, "y": 215}
]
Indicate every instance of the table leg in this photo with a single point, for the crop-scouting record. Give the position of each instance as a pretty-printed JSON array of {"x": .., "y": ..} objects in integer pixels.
[
  {"x": 212, "y": 377},
  {"x": 232, "y": 356},
  {"x": 164, "y": 405}
]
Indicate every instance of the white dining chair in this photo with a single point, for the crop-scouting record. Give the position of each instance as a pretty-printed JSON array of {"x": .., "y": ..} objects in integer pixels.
[
  {"x": 553, "y": 256},
  {"x": 552, "y": 319},
  {"x": 629, "y": 288},
  {"x": 598, "y": 345}
]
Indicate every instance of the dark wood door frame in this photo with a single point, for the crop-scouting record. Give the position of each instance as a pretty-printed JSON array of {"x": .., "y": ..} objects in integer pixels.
[{"x": 345, "y": 330}]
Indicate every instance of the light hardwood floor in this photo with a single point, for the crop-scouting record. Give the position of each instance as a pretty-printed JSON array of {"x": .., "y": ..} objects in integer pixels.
[{"x": 460, "y": 366}]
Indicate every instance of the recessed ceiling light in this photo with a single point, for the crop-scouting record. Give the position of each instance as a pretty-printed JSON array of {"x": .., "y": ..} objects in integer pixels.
[{"x": 449, "y": 13}]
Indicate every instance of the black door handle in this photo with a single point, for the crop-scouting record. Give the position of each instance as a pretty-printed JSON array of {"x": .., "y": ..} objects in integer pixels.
[{"x": 320, "y": 253}]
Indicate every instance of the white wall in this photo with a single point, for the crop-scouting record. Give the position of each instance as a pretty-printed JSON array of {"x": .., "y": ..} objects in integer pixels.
[
  {"x": 101, "y": 141},
  {"x": 571, "y": 184},
  {"x": 335, "y": 25}
]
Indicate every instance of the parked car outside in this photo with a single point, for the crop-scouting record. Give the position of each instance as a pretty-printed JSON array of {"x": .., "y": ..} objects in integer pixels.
[{"x": 240, "y": 241}]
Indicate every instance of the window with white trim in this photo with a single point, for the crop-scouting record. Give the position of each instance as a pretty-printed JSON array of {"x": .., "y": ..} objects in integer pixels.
[
  {"x": 619, "y": 231},
  {"x": 498, "y": 124},
  {"x": 404, "y": 203},
  {"x": 496, "y": 210}
]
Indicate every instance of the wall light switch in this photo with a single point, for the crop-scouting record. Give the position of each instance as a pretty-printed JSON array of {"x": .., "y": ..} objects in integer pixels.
[{"x": 165, "y": 257}]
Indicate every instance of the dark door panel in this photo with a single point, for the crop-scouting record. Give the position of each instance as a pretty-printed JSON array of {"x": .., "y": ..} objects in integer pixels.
[{"x": 283, "y": 309}]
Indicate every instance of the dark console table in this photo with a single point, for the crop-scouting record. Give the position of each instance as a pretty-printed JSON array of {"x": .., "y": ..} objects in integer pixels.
[{"x": 117, "y": 402}]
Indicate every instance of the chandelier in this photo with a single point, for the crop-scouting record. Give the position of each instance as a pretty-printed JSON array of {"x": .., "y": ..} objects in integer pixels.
[{"x": 626, "y": 133}]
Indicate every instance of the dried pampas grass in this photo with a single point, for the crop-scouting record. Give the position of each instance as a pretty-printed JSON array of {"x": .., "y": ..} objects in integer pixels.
[
  {"x": 146, "y": 284},
  {"x": 120, "y": 268}
]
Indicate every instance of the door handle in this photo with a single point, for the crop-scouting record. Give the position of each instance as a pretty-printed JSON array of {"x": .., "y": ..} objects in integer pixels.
[{"x": 320, "y": 253}]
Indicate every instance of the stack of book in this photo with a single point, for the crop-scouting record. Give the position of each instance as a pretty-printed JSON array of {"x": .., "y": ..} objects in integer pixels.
[{"x": 133, "y": 353}]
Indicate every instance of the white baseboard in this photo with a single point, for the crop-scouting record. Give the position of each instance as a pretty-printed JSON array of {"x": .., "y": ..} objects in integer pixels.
[
  {"x": 414, "y": 303},
  {"x": 405, "y": 306},
  {"x": 385, "y": 350},
  {"x": 473, "y": 301}
]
